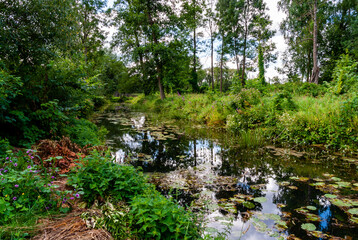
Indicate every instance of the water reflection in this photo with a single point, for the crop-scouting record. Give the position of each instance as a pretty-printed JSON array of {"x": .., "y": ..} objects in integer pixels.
[{"x": 205, "y": 170}]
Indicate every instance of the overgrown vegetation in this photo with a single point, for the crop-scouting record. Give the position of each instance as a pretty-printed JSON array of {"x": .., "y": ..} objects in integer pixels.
[
  {"x": 299, "y": 113},
  {"x": 27, "y": 192},
  {"x": 55, "y": 73}
]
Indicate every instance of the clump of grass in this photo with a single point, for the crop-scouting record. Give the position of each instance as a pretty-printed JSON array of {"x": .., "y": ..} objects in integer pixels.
[{"x": 252, "y": 138}]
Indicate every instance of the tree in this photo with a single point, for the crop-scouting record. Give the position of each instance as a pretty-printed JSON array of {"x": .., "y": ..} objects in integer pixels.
[
  {"x": 160, "y": 39},
  {"x": 229, "y": 26},
  {"x": 262, "y": 33},
  {"x": 240, "y": 19},
  {"x": 301, "y": 30},
  {"x": 210, "y": 19},
  {"x": 192, "y": 17},
  {"x": 89, "y": 24}
]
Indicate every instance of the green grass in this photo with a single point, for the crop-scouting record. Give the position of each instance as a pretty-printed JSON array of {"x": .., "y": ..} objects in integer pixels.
[{"x": 306, "y": 116}]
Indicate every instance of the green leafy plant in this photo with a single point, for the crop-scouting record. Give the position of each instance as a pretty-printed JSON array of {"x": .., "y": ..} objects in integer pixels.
[
  {"x": 25, "y": 187},
  {"x": 157, "y": 217},
  {"x": 345, "y": 77},
  {"x": 99, "y": 177}
]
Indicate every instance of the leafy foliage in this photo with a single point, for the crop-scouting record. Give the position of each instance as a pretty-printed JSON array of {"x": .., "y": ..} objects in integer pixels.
[
  {"x": 26, "y": 187},
  {"x": 345, "y": 75},
  {"x": 156, "y": 217},
  {"x": 99, "y": 178}
]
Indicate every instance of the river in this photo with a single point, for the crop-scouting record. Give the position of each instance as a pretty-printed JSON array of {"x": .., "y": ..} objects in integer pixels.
[{"x": 263, "y": 192}]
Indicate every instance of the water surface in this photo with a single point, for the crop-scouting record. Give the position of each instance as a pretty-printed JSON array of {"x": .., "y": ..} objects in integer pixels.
[{"x": 244, "y": 193}]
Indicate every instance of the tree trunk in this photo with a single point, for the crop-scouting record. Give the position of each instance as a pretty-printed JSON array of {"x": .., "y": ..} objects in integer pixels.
[
  {"x": 244, "y": 56},
  {"x": 212, "y": 53},
  {"x": 237, "y": 60},
  {"x": 315, "y": 70},
  {"x": 221, "y": 65},
  {"x": 195, "y": 75},
  {"x": 141, "y": 59},
  {"x": 85, "y": 35},
  {"x": 156, "y": 58},
  {"x": 212, "y": 62}
]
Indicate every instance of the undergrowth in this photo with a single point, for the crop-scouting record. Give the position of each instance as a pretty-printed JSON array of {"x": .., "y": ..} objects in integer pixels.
[
  {"x": 296, "y": 113},
  {"x": 150, "y": 215}
]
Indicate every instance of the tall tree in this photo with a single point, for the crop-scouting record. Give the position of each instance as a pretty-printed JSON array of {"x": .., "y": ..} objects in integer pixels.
[
  {"x": 154, "y": 31},
  {"x": 228, "y": 13},
  {"x": 238, "y": 18},
  {"x": 192, "y": 11},
  {"x": 210, "y": 19},
  {"x": 91, "y": 20},
  {"x": 262, "y": 33},
  {"x": 301, "y": 30}
]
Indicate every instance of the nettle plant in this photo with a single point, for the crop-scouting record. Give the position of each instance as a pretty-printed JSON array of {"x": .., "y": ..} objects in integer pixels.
[{"x": 27, "y": 187}]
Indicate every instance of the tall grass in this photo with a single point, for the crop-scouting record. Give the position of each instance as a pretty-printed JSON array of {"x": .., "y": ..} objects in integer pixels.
[{"x": 300, "y": 118}]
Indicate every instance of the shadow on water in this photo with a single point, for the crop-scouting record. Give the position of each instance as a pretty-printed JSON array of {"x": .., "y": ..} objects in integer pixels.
[{"x": 249, "y": 193}]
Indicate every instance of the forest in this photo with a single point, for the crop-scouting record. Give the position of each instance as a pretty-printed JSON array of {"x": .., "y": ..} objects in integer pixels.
[{"x": 205, "y": 63}]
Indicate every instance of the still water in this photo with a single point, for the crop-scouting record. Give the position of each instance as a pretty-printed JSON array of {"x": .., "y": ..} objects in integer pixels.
[{"x": 242, "y": 193}]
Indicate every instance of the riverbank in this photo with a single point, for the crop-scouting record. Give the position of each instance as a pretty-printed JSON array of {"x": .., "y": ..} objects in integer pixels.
[{"x": 301, "y": 117}]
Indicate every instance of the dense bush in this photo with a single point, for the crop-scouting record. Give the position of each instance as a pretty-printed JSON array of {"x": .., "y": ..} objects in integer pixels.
[
  {"x": 345, "y": 75},
  {"x": 153, "y": 215},
  {"x": 99, "y": 177},
  {"x": 156, "y": 217},
  {"x": 84, "y": 132}
]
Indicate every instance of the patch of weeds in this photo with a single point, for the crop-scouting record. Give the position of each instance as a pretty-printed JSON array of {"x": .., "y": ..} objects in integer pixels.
[
  {"x": 99, "y": 178},
  {"x": 27, "y": 191}
]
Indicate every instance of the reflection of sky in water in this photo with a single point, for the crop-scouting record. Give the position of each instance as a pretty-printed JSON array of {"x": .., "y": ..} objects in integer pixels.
[{"x": 325, "y": 213}]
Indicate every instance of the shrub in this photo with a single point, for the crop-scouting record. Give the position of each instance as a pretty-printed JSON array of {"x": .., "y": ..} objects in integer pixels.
[
  {"x": 345, "y": 77},
  {"x": 84, "y": 132},
  {"x": 4, "y": 146},
  {"x": 99, "y": 177},
  {"x": 157, "y": 217},
  {"x": 98, "y": 101}
]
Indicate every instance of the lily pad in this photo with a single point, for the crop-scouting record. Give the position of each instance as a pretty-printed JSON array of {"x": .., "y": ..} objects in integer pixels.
[
  {"x": 237, "y": 200},
  {"x": 303, "y": 179},
  {"x": 353, "y": 211},
  {"x": 336, "y": 179},
  {"x": 330, "y": 195},
  {"x": 281, "y": 224},
  {"x": 248, "y": 204},
  {"x": 259, "y": 226},
  {"x": 318, "y": 234},
  {"x": 308, "y": 227},
  {"x": 319, "y": 184},
  {"x": 339, "y": 203},
  {"x": 294, "y": 178},
  {"x": 311, "y": 208},
  {"x": 354, "y": 220},
  {"x": 313, "y": 217},
  {"x": 343, "y": 184},
  {"x": 260, "y": 199},
  {"x": 273, "y": 216}
]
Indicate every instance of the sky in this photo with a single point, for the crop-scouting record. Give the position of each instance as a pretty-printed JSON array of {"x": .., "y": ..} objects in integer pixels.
[{"x": 276, "y": 17}]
